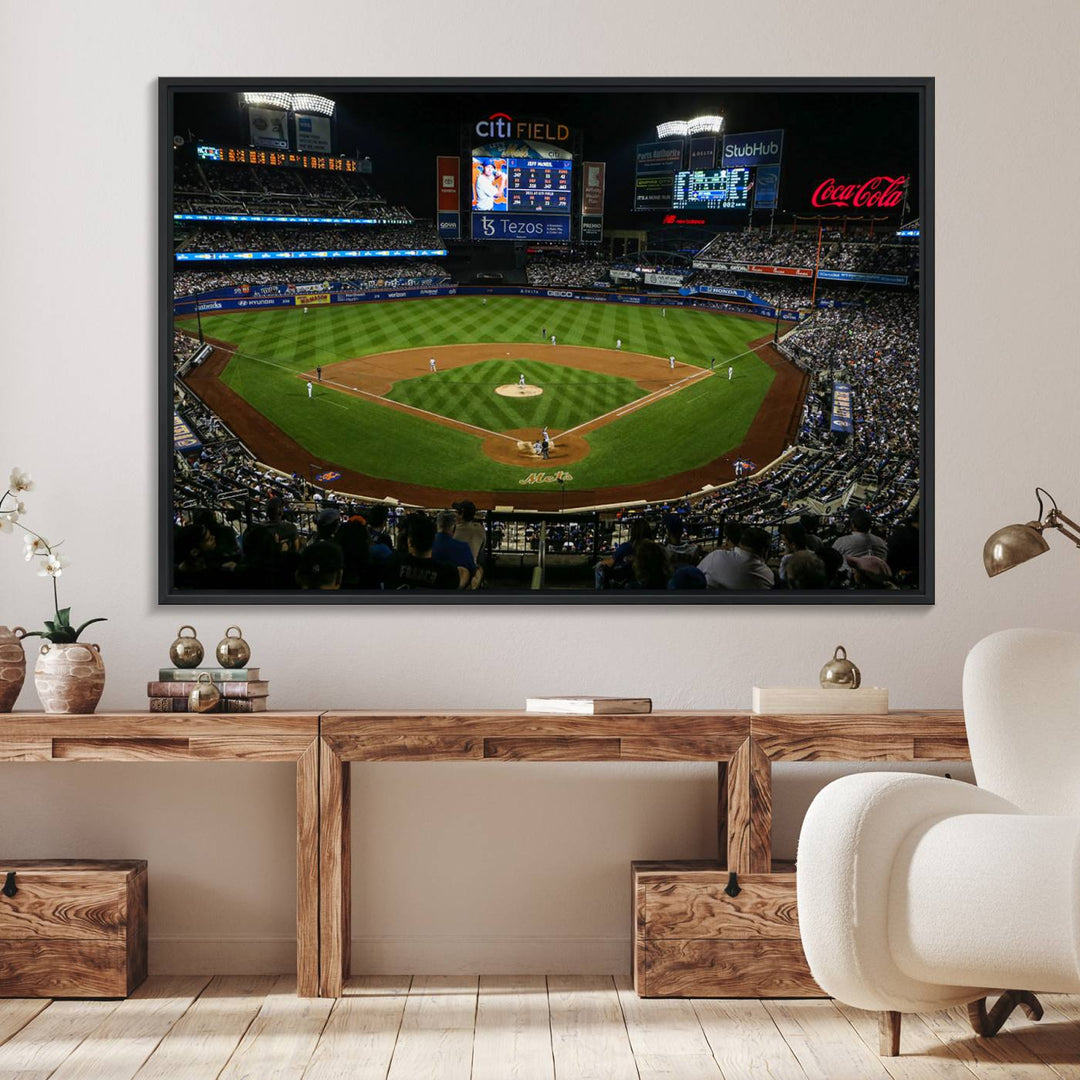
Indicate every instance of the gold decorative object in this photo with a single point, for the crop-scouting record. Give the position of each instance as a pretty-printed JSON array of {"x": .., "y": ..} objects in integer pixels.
[
  {"x": 1015, "y": 544},
  {"x": 69, "y": 677},
  {"x": 204, "y": 695},
  {"x": 12, "y": 666},
  {"x": 840, "y": 673},
  {"x": 233, "y": 652},
  {"x": 186, "y": 652}
]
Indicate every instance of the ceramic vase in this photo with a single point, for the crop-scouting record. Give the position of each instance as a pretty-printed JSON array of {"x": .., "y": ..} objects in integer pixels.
[
  {"x": 69, "y": 678},
  {"x": 12, "y": 666}
]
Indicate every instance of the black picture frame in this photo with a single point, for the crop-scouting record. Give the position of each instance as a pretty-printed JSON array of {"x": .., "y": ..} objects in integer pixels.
[{"x": 922, "y": 87}]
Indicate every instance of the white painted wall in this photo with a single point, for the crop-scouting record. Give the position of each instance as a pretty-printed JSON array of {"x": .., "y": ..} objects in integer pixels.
[{"x": 494, "y": 867}]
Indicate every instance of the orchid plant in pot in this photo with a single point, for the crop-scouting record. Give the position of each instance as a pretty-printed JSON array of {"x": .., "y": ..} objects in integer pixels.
[{"x": 69, "y": 674}]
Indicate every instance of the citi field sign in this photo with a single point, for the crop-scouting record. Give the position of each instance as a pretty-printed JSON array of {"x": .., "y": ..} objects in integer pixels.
[
  {"x": 879, "y": 192},
  {"x": 501, "y": 125}
]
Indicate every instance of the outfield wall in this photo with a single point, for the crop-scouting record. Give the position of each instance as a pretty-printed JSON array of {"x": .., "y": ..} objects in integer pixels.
[{"x": 224, "y": 300}]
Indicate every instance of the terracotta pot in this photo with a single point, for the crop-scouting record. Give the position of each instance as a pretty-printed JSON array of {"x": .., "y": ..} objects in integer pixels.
[
  {"x": 69, "y": 678},
  {"x": 12, "y": 666}
]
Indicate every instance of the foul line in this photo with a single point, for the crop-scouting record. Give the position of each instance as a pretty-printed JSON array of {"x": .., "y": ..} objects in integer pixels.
[
  {"x": 389, "y": 403},
  {"x": 447, "y": 421},
  {"x": 658, "y": 395}
]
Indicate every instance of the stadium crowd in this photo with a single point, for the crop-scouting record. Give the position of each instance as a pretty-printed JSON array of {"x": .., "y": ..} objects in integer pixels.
[
  {"x": 369, "y": 275},
  {"x": 861, "y": 253},
  {"x": 217, "y": 238},
  {"x": 579, "y": 270}
]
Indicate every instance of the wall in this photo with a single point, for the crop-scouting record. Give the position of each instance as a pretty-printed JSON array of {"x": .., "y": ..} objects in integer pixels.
[{"x": 502, "y": 867}]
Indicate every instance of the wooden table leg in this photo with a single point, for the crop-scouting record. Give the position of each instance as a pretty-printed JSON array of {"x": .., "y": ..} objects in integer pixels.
[
  {"x": 722, "y": 813},
  {"x": 307, "y": 872},
  {"x": 749, "y": 810},
  {"x": 335, "y": 929}
]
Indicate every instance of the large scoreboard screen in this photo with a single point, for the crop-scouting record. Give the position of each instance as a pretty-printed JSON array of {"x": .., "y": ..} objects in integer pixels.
[
  {"x": 712, "y": 189},
  {"x": 246, "y": 155},
  {"x": 522, "y": 185}
]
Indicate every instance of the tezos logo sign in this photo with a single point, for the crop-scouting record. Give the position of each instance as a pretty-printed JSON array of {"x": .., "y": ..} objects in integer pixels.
[{"x": 881, "y": 192}]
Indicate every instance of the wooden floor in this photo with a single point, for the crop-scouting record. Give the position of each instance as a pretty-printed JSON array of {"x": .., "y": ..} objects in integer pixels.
[{"x": 522, "y": 1027}]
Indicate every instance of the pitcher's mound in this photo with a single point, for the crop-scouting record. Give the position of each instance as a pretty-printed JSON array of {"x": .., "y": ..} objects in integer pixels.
[{"x": 514, "y": 390}]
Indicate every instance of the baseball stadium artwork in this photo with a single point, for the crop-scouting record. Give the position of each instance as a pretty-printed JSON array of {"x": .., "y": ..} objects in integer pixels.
[{"x": 553, "y": 341}]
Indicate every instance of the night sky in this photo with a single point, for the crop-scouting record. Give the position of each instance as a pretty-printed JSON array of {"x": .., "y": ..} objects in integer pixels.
[{"x": 851, "y": 136}]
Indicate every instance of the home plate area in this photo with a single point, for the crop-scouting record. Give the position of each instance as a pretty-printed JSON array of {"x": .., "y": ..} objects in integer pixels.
[{"x": 376, "y": 376}]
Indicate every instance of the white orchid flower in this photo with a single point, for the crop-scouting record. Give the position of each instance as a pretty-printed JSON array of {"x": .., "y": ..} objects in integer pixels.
[
  {"x": 20, "y": 481},
  {"x": 53, "y": 566},
  {"x": 34, "y": 545}
]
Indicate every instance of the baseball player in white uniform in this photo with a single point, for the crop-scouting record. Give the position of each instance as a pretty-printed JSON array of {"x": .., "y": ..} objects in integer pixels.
[
  {"x": 552, "y": 339},
  {"x": 521, "y": 379},
  {"x": 671, "y": 362},
  {"x": 618, "y": 343},
  {"x": 432, "y": 366},
  {"x": 663, "y": 313},
  {"x": 730, "y": 372},
  {"x": 309, "y": 391}
]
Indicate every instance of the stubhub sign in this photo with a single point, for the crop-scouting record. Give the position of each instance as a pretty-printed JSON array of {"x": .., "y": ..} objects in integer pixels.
[{"x": 754, "y": 148}]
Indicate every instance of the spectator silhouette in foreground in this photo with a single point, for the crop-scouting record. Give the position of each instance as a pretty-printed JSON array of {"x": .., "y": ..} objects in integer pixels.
[
  {"x": 743, "y": 567},
  {"x": 468, "y": 530},
  {"x": 860, "y": 540},
  {"x": 414, "y": 568},
  {"x": 321, "y": 566}
]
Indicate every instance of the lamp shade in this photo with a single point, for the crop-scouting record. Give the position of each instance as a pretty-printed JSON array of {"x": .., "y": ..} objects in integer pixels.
[{"x": 1012, "y": 545}]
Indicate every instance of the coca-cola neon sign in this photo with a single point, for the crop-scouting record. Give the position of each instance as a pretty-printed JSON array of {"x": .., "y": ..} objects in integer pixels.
[{"x": 879, "y": 192}]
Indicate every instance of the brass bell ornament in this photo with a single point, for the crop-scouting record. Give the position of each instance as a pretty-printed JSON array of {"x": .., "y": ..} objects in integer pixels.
[
  {"x": 204, "y": 695},
  {"x": 840, "y": 673},
  {"x": 233, "y": 652},
  {"x": 186, "y": 652}
]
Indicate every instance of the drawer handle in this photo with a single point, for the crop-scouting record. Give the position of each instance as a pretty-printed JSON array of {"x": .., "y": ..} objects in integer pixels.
[
  {"x": 732, "y": 887},
  {"x": 9, "y": 884}
]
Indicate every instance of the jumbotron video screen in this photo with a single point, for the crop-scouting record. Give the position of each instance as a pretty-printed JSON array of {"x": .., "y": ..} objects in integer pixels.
[{"x": 602, "y": 342}]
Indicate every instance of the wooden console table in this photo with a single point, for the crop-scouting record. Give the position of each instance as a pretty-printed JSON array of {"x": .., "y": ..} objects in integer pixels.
[
  {"x": 260, "y": 737},
  {"x": 743, "y": 745}
]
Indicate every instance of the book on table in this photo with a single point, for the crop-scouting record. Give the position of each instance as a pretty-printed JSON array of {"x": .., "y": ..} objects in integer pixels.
[
  {"x": 582, "y": 705},
  {"x": 164, "y": 688},
  {"x": 228, "y": 705},
  {"x": 217, "y": 674}
]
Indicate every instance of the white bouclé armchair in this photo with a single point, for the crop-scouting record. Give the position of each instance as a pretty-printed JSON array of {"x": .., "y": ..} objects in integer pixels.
[{"x": 918, "y": 893}]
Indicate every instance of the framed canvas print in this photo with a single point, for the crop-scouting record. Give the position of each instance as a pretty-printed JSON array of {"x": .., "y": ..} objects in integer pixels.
[{"x": 546, "y": 341}]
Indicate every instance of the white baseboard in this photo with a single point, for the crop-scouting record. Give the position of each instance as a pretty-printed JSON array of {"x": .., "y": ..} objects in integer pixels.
[
  {"x": 429, "y": 954},
  {"x": 444, "y": 954},
  {"x": 221, "y": 956}
]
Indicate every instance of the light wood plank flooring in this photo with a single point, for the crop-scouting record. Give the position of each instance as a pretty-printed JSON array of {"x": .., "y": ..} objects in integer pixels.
[{"x": 525, "y": 1027}]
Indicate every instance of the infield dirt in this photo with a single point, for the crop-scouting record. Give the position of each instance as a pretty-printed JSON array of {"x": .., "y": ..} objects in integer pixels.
[{"x": 373, "y": 376}]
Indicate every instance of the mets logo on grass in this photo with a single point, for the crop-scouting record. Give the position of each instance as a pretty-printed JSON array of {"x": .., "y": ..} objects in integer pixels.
[{"x": 559, "y": 477}]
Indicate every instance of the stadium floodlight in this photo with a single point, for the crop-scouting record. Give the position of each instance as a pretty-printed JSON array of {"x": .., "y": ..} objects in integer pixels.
[
  {"x": 705, "y": 125},
  {"x": 268, "y": 100},
  {"x": 312, "y": 103},
  {"x": 671, "y": 129}
]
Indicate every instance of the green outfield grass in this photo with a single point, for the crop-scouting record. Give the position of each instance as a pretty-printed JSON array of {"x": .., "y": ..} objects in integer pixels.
[
  {"x": 570, "y": 397},
  {"x": 677, "y": 433}
]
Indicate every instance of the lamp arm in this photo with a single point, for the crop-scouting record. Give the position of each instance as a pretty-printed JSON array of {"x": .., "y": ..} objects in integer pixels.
[{"x": 1059, "y": 521}]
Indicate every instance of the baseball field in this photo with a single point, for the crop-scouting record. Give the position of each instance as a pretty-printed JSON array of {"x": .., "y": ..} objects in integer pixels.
[{"x": 623, "y": 423}]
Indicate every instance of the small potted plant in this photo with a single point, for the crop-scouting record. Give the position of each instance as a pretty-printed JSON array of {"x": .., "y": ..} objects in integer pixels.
[{"x": 69, "y": 674}]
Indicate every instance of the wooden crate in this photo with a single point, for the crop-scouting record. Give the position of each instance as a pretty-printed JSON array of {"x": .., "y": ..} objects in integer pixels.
[
  {"x": 691, "y": 939},
  {"x": 73, "y": 928}
]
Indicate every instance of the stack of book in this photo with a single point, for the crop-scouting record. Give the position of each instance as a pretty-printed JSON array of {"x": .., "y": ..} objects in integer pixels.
[{"x": 241, "y": 689}]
